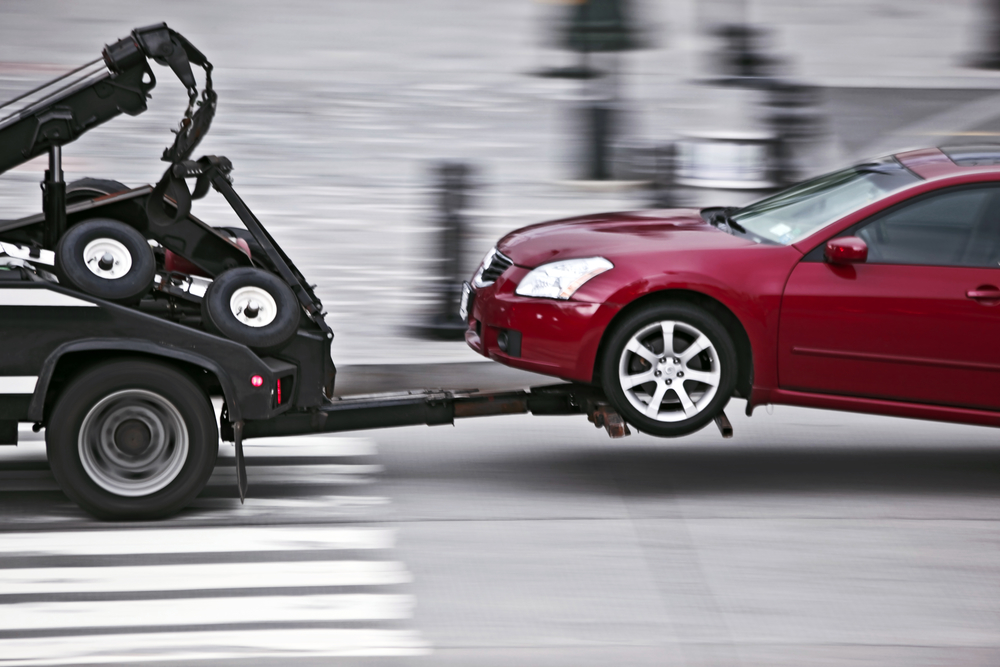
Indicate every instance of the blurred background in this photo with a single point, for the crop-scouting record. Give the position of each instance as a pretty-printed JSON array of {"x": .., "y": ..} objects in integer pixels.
[
  {"x": 387, "y": 145},
  {"x": 337, "y": 117}
]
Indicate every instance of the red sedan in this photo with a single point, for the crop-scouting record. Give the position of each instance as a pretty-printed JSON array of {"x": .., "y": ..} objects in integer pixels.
[{"x": 871, "y": 289}]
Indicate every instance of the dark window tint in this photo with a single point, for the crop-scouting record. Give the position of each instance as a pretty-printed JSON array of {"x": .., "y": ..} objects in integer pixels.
[{"x": 956, "y": 228}]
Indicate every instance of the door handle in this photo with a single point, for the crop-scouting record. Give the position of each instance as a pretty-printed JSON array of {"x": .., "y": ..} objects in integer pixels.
[{"x": 984, "y": 292}]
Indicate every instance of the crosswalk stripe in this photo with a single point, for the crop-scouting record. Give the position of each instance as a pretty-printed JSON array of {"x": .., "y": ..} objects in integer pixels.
[
  {"x": 212, "y": 576},
  {"x": 140, "y": 648},
  {"x": 194, "y": 540},
  {"x": 203, "y": 611}
]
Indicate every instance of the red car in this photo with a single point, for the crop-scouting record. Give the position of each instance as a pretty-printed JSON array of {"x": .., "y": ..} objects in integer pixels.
[{"x": 872, "y": 289}]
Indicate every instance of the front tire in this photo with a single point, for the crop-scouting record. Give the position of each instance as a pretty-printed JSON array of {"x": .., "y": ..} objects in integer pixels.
[
  {"x": 132, "y": 440},
  {"x": 669, "y": 369}
]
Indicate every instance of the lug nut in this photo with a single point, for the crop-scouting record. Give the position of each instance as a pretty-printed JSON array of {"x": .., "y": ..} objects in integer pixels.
[
  {"x": 657, "y": 373},
  {"x": 670, "y": 381},
  {"x": 663, "y": 359},
  {"x": 676, "y": 360},
  {"x": 680, "y": 374}
]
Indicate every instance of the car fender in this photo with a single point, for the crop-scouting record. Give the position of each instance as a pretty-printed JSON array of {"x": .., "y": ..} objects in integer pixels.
[{"x": 748, "y": 283}]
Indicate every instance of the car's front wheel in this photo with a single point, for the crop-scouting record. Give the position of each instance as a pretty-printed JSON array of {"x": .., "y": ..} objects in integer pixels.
[{"x": 669, "y": 368}]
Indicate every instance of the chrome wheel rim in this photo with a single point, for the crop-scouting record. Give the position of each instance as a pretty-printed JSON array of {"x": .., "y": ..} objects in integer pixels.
[
  {"x": 133, "y": 443},
  {"x": 107, "y": 258},
  {"x": 253, "y": 306},
  {"x": 669, "y": 371}
]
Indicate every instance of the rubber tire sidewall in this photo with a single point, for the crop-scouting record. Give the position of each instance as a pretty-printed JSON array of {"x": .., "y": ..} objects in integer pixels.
[
  {"x": 82, "y": 393},
  {"x": 682, "y": 312},
  {"x": 73, "y": 272},
  {"x": 88, "y": 188},
  {"x": 219, "y": 319}
]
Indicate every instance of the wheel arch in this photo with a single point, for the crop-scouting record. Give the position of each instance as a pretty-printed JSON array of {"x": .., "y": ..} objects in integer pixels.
[
  {"x": 729, "y": 320},
  {"x": 70, "y": 359}
]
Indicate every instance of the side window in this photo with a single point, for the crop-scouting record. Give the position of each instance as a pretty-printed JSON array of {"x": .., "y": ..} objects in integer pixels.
[{"x": 956, "y": 228}]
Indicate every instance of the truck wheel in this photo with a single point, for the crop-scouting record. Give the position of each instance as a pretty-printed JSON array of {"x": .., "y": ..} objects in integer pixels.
[
  {"x": 252, "y": 307},
  {"x": 107, "y": 259},
  {"x": 91, "y": 188},
  {"x": 132, "y": 439},
  {"x": 669, "y": 369}
]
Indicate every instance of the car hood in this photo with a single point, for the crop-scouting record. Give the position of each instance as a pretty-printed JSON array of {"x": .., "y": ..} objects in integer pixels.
[{"x": 615, "y": 236}]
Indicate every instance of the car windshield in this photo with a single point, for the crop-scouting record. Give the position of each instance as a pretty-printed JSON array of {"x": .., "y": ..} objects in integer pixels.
[{"x": 793, "y": 214}]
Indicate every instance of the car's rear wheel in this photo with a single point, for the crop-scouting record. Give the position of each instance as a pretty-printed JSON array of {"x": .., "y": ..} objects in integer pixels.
[
  {"x": 132, "y": 439},
  {"x": 669, "y": 369}
]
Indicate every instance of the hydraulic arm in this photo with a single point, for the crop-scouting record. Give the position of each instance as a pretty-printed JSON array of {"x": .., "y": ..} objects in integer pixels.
[{"x": 60, "y": 111}]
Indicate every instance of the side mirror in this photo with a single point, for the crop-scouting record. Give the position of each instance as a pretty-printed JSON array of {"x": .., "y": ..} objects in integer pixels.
[{"x": 846, "y": 250}]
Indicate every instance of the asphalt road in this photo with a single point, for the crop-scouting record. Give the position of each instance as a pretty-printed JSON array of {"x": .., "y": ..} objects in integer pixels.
[{"x": 810, "y": 538}]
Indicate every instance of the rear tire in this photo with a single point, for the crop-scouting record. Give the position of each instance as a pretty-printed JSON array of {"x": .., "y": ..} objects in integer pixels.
[
  {"x": 669, "y": 369},
  {"x": 132, "y": 439},
  {"x": 253, "y": 307},
  {"x": 107, "y": 259}
]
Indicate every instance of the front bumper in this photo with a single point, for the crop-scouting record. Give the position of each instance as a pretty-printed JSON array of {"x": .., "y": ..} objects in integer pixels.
[{"x": 559, "y": 338}]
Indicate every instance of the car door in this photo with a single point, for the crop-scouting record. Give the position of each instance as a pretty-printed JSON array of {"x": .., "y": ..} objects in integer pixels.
[{"x": 918, "y": 321}]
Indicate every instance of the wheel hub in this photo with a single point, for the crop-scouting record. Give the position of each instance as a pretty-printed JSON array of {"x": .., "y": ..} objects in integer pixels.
[
  {"x": 253, "y": 306},
  {"x": 107, "y": 258},
  {"x": 669, "y": 371},
  {"x": 133, "y": 437},
  {"x": 133, "y": 443}
]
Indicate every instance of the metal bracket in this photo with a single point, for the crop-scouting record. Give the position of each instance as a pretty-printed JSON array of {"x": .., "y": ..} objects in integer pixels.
[
  {"x": 241, "y": 469},
  {"x": 725, "y": 426},
  {"x": 602, "y": 414}
]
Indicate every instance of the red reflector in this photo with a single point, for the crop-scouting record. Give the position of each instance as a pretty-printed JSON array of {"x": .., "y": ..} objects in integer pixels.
[
  {"x": 257, "y": 381},
  {"x": 279, "y": 391}
]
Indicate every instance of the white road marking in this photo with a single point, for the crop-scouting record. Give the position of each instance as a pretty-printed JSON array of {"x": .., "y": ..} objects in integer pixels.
[
  {"x": 194, "y": 540},
  {"x": 141, "y": 648},
  {"x": 211, "y": 576},
  {"x": 203, "y": 611}
]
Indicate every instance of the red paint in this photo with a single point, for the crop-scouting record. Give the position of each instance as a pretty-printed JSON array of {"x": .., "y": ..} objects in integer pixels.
[
  {"x": 846, "y": 333},
  {"x": 846, "y": 250}
]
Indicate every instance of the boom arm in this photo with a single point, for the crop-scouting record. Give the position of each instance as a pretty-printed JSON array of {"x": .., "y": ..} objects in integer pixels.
[{"x": 60, "y": 111}]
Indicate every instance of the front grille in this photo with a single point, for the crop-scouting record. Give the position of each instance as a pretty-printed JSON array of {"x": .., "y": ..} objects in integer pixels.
[{"x": 498, "y": 264}]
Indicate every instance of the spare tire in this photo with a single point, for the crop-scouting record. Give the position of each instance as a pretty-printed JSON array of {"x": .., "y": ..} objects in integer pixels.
[
  {"x": 107, "y": 259},
  {"x": 253, "y": 307},
  {"x": 91, "y": 188}
]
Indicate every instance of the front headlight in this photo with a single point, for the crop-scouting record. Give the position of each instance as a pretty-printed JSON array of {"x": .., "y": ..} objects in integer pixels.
[{"x": 560, "y": 280}]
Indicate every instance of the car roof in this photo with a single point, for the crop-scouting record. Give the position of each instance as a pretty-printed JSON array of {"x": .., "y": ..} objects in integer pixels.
[{"x": 933, "y": 163}]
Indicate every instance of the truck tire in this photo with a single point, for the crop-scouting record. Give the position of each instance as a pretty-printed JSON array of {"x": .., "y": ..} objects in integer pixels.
[
  {"x": 91, "y": 188},
  {"x": 669, "y": 369},
  {"x": 253, "y": 307},
  {"x": 107, "y": 259},
  {"x": 132, "y": 439}
]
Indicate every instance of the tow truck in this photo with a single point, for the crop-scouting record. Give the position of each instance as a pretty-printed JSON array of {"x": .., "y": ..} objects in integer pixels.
[{"x": 123, "y": 314}]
